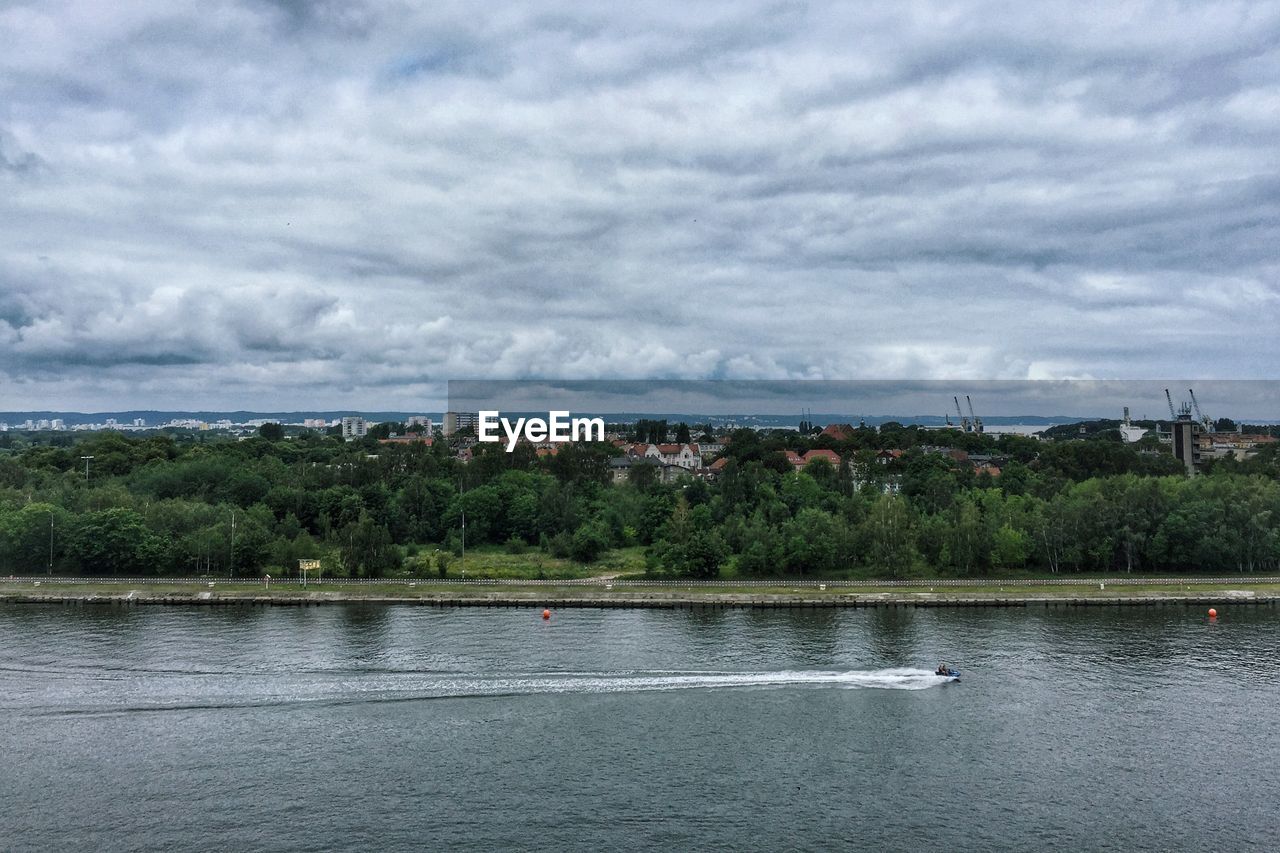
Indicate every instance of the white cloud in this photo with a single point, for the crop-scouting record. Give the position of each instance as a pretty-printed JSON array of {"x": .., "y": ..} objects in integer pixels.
[{"x": 323, "y": 204}]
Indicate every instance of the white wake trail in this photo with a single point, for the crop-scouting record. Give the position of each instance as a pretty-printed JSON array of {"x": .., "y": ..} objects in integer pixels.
[{"x": 615, "y": 682}]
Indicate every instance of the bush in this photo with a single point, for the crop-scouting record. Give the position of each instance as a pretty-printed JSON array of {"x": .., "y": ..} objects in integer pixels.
[
  {"x": 560, "y": 545},
  {"x": 589, "y": 542},
  {"x": 514, "y": 545}
]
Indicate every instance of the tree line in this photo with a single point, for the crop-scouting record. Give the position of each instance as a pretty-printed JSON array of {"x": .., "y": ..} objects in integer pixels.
[{"x": 173, "y": 504}]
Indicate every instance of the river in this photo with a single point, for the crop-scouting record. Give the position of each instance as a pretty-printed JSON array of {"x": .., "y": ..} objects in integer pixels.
[{"x": 410, "y": 728}]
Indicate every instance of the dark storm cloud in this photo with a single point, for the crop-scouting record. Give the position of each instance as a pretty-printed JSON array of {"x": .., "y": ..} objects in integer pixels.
[
  {"x": 348, "y": 203},
  {"x": 1255, "y": 399}
]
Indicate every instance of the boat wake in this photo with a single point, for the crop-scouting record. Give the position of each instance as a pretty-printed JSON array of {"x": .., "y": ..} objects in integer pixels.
[
  {"x": 163, "y": 693},
  {"x": 618, "y": 682}
]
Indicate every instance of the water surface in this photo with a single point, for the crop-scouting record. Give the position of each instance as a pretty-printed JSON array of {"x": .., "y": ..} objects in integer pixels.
[{"x": 408, "y": 728}]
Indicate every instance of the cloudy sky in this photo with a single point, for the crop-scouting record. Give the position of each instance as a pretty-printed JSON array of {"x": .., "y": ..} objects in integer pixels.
[
  {"x": 315, "y": 205},
  {"x": 1251, "y": 401}
]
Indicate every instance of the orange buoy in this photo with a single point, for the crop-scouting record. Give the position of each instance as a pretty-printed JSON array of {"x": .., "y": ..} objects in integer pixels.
[
  {"x": 546, "y": 614},
  {"x": 1213, "y": 614}
]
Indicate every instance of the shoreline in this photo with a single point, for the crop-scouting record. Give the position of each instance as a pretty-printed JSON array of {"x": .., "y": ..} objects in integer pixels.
[{"x": 664, "y": 598}]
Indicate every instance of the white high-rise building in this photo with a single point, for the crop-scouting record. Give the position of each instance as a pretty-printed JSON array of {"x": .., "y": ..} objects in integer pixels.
[{"x": 353, "y": 427}]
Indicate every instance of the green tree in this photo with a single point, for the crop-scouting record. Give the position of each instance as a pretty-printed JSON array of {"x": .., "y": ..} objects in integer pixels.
[
  {"x": 643, "y": 475},
  {"x": 888, "y": 537},
  {"x": 33, "y": 538},
  {"x": 482, "y": 509},
  {"x": 699, "y": 555},
  {"x": 1010, "y": 548},
  {"x": 589, "y": 542},
  {"x": 115, "y": 541},
  {"x": 965, "y": 549},
  {"x": 366, "y": 548},
  {"x": 812, "y": 542}
]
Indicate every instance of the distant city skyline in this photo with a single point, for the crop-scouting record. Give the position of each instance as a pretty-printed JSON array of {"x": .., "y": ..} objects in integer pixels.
[
  {"x": 268, "y": 203},
  {"x": 825, "y": 401}
]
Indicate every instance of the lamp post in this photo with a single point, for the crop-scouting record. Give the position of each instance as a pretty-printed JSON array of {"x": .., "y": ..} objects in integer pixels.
[
  {"x": 50, "y": 544},
  {"x": 464, "y": 545},
  {"x": 86, "y": 467},
  {"x": 231, "y": 558}
]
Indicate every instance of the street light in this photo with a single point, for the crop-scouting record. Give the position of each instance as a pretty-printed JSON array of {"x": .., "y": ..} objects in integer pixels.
[
  {"x": 86, "y": 467},
  {"x": 51, "y": 544}
]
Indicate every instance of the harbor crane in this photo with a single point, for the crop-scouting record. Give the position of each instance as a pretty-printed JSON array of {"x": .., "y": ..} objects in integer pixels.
[
  {"x": 977, "y": 424},
  {"x": 964, "y": 422},
  {"x": 1172, "y": 415},
  {"x": 1200, "y": 416}
]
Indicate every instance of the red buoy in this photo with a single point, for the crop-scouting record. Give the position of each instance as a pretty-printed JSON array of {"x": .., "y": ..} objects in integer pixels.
[
  {"x": 1213, "y": 614},
  {"x": 546, "y": 614}
]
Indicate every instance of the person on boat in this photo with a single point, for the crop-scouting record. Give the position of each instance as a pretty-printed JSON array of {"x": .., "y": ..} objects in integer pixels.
[{"x": 942, "y": 669}]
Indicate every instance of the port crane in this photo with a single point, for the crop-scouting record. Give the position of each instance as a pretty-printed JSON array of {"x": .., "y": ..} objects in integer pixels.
[
  {"x": 964, "y": 422},
  {"x": 1200, "y": 416},
  {"x": 1172, "y": 415},
  {"x": 977, "y": 424}
]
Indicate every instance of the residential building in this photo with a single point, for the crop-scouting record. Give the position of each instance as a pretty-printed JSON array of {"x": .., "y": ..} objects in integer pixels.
[
  {"x": 353, "y": 426},
  {"x": 456, "y": 421},
  {"x": 838, "y": 432},
  {"x": 831, "y": 456},
  {"x": 620, "y": 468},
  {"x": 684, "y": 455},
  {"x": 799, "y": 461}
]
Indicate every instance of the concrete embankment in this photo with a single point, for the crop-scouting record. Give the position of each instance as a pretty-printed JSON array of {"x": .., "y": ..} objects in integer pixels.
[{"x": 681, "y": 600}]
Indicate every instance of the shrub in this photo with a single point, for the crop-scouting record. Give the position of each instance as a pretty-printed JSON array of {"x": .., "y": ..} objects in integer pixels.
[
  {"x": 589, "y": 542},
  {"x": 560, "y": 545}
]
